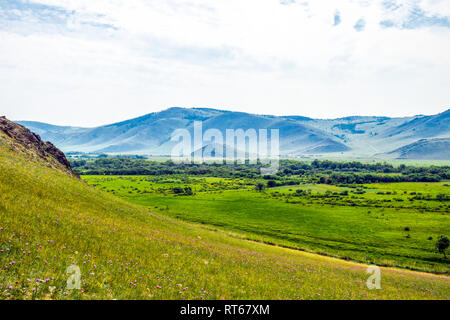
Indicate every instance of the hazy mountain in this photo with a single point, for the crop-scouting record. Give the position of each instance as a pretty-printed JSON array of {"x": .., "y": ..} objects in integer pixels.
[
  {"x": 369, "y": 136},
  {"x": 430, "y": 149},
  {"x": 299, "y": 136},
  {"x": 424, "y": 126},
  {"x": 55, "y": 134}
]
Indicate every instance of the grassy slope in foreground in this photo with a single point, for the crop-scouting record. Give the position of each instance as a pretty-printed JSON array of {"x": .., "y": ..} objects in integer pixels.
[{"x": 49, "y": 221}]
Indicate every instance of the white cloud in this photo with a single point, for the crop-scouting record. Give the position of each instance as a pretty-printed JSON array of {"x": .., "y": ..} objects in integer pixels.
[
  {"x": 94, "y": 62},
  {"x": 439, "y": 8}
]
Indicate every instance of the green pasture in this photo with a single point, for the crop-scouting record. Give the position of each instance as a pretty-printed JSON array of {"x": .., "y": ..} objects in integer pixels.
[{"x": 375, "y": 223}]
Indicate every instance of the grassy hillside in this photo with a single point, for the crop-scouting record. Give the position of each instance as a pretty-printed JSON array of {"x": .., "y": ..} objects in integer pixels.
[{"x": 49, "y": 221}]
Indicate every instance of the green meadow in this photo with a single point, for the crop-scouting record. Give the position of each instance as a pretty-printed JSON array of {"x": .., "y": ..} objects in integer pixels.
[
  {"x": 392, "y": 224},
  {"x": 50, "y": 221}
]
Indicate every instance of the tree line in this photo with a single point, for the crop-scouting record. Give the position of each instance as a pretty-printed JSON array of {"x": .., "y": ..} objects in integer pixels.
[{"x": 318, "y": 171}]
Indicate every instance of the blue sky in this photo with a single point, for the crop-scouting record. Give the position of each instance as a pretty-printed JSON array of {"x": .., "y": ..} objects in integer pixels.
[{"x": 86, "y": 62}]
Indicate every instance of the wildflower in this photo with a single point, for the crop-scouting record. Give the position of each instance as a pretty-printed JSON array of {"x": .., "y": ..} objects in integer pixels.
[
  {"x": 12, "y": 262},
  {"x": 10, "y": 287},
  {"x": 159, "y": 287}
]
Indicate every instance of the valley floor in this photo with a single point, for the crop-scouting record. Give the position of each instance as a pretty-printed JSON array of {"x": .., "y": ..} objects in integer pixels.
[{"x": 395, "y": 224}]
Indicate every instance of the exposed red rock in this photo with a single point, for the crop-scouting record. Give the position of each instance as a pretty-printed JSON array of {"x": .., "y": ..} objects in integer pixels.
[{"x": 32, "y": 141}]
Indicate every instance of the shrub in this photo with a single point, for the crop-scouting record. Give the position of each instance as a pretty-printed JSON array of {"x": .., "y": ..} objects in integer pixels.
[
  {"x": 271, "y": 183},
  {"x": 259, "y": 187},
  {"x": 442, "y": 244}
]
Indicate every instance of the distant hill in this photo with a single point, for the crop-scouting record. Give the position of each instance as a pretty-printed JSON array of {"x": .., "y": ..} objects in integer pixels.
[
  {"x": 356, "y": 136},
  {"x": 424, "y": 126},
  {"x": 429, "y": 149},
  {"x": 150, "y": 134}
]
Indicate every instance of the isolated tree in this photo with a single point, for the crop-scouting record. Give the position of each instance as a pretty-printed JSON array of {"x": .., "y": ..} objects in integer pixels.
[
  {"x": 271, "y": 184},
  {"x": 177, "y": 190},
  {"x": 442, "y": 245},
  {"x": 188, "y": 191},
  {"x": 259, "y": 187}
]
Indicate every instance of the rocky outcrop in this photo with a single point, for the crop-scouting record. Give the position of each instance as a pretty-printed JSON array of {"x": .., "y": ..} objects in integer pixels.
[{"x": 33, "y": 142}]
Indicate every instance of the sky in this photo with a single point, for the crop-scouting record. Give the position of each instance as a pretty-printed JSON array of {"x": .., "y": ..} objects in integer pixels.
[{"x": 94, "y": 62}]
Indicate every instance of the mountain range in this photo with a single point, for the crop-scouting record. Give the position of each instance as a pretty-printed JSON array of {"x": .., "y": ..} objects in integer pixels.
[{"x": 416, "y": 137}]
